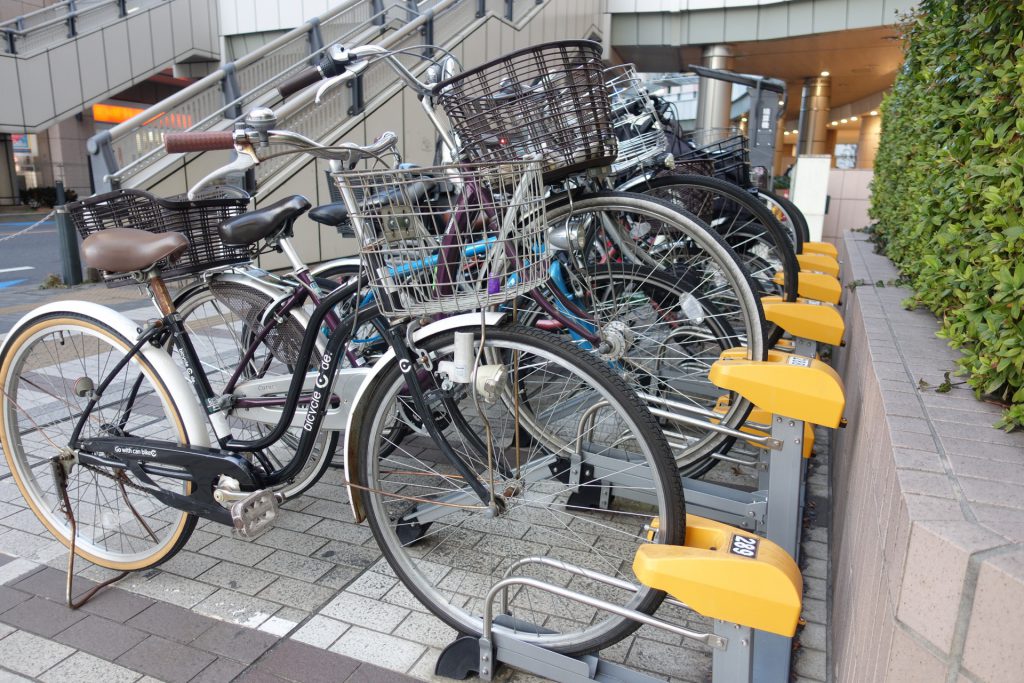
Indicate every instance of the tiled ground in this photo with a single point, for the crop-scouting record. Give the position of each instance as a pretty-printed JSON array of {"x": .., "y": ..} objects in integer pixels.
[{"x": 316, "y": 580}]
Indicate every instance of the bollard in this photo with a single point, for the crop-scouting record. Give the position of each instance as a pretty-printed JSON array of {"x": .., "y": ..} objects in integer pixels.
[{"x": 71, "y": 266}]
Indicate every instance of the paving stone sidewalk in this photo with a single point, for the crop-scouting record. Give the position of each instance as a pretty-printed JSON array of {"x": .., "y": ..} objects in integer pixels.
[
  {"x": 313, "y": 594},
  {"x": 122, "y": 637}
]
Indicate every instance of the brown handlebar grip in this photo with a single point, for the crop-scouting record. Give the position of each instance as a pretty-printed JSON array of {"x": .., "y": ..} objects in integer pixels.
[
  {"x": 175, "y": 143},
  {"x": 303, "y": 79}
]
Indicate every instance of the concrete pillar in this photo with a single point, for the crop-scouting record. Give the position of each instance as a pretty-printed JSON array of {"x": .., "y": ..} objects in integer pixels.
[
  {"x": 714, "y": 98},
  {"x": 68, "y": 157},
  {"x": 867, "y": 143},
  {"x": 814, "y": 111},
  {"x": 8, "y": 179}
]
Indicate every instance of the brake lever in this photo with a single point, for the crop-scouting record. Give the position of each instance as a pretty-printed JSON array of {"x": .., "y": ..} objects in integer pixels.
[
  {"x": 351, "y": 71},
  {"x": 245, "y": 160}
]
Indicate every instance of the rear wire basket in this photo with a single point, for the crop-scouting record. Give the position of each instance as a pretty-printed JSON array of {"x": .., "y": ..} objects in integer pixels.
[
  {"x": 728, "y": 153},
  {"x": 198, "y": 220},
  {"x": 639, "y": 133},
  {"x": 425, "y": 252},
  {"x": 549, "y": 99}
]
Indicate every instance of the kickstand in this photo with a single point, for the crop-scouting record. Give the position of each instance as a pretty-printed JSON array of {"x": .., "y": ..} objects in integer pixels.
[{"x": 59, "y": 466}]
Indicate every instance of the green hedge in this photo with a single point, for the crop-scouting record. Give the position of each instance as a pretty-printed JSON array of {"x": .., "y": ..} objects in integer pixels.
[{"x": 948, "y": 193}]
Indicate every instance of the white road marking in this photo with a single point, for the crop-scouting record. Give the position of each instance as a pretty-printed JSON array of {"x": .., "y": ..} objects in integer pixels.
[{"x": 13, "y": 270}]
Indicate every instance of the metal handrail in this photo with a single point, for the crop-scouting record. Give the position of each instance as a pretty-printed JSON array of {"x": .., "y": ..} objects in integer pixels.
[
  {"x": 216, "y": 78},
  {"x": 15, "y": 28},
  {"x": 125, "y": 127},
  {"x": 219, "y": 101}
]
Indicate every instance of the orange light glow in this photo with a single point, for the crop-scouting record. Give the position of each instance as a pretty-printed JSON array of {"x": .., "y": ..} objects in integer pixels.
[{"x": 113, "y": 113}]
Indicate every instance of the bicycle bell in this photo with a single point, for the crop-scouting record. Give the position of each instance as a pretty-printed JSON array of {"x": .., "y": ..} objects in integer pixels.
[{"x": 262, "y": 119}]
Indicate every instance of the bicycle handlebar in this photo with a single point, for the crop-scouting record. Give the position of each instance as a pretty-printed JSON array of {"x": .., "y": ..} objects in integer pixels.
[
  {"x": 336, "y": 61},
  {"x": 207, "y": 141},
  {"x": 770, "y": 84},
  {"x": 300, "y": 81}
]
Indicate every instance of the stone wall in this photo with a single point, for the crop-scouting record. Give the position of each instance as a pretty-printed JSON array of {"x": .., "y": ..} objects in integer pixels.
[{"x": 927, "y": 551}]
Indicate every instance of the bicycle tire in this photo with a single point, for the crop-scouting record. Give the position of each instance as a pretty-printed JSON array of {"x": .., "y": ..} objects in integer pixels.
[
  {"x": 438, "y": 565},
  {"x": 793, "y": 219},
  {"x": 40, "y": 378},
  {"x": 691, "y": 245}
]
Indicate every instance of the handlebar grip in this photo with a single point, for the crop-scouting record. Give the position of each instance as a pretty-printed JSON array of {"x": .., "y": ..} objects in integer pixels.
[
  {"x": 176, "y": 143},
  {"x": 303, "y": 79}
]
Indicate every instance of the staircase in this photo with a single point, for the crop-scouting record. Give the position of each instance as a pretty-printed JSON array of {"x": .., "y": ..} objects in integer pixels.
[{"x": 68, "y": 55}]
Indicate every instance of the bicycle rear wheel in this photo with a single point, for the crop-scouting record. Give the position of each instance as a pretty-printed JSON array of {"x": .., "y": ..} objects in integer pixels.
[
  {"x": 580, "y": 471},
  {"x": 744, "y": 223},
  {"x": 49, "y": 368},
  {"x": 664, "y": 340}
]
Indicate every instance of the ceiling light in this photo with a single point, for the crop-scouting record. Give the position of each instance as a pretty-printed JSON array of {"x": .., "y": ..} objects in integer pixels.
[
  {"x": 853, "y": 118},
  {"x": 874, "y": 112},
  {"x": 825, "y": 73},
  {"x": 785, "y": 132},
  {"x": 843, "y": 120},
  {"x": 744, "y": 119},
  {"x": 834, "y": 123}
]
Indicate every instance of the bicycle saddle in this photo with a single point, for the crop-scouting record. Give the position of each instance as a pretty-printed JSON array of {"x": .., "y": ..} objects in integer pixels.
[
  {"x": 256, "y": 225},
  {"x": 330, "y": 214},
  {"x": 122, "y": 250}
]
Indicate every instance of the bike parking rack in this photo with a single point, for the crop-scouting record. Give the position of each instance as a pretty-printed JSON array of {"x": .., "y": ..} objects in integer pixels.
[
  {"x": 791, "y": 393},
  {"x": 746, "y": 584}
]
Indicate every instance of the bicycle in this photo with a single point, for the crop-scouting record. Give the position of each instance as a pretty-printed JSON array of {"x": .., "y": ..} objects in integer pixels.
[
  {"x": 645, "y": 164},
  {"x": 707, "y": 312},
  {"x": 120, "y": 468}
]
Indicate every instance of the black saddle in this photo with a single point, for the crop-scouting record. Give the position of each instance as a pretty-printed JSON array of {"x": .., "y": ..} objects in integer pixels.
[{"x": 256, "y": 225}]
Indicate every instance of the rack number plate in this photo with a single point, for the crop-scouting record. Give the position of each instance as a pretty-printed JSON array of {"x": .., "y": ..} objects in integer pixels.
[{"x": 744, "y": 545}]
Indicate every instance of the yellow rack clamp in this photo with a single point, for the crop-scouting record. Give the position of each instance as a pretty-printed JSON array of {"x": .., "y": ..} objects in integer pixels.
[
  {"x": 799, "y": 388},
  {"x": 817, "y": 286},
  {"x": 728, "y": 574},
  {"x": 817, "y": 322},
  {"x": 826, "y": 248},
  {"x": 819, "y": 263}
]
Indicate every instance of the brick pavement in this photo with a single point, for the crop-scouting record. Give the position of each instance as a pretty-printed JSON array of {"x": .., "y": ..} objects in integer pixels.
[{"x": 312, "y": 595}]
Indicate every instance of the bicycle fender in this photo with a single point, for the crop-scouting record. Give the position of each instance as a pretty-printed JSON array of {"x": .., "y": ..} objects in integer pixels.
[
  {"x": 355, "y": 416},
  {"x": 171, "y": 375}
]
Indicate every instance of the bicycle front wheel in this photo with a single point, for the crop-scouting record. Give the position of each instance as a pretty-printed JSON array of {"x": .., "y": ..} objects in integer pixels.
[
  {"x": 48, "y": 372},
  {"x": 576, "y": 471}
]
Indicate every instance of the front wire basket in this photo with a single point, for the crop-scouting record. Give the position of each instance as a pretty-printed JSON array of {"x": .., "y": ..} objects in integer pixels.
[
  {"x": 199, "y": 220},
  {"x": 549, "y": 99},
  {"x": 640, "y": 134},
  {"x": 726, "y": 149},
  {"x": 449, "y": 239}
]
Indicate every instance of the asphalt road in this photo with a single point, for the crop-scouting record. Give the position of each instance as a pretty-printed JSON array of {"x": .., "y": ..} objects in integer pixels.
[{"x": 27, "y": 259}]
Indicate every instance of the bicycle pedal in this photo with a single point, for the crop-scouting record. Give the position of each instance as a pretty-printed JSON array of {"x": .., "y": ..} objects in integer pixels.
[{"x": 253, "y": 515}]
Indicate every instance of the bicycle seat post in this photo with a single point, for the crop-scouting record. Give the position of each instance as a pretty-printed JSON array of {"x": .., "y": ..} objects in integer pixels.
[{"x": 158, "y": 291}]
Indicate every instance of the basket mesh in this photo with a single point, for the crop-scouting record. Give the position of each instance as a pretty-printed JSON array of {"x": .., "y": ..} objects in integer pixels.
[
  {"x": 548, "y": 99},
  {"x": 432, "y": 251},
  {"x": 198, "y": 220},
  {"x": 729, "y": 154},
  {"x": 637, "y": 128}
]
